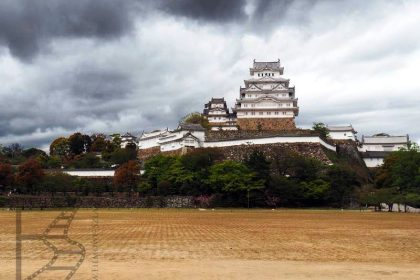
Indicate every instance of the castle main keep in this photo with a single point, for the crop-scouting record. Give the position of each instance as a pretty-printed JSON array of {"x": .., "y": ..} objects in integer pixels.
[{"x": 267, "y": 102}]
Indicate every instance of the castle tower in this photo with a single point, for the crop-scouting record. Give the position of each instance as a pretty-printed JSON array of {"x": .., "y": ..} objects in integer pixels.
[
  {"x": 266, "y": 102},
  {"x": 217, "y": 113}
]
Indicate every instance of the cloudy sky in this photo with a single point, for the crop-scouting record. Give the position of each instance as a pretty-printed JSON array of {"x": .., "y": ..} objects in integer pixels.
[{"x": 127, "y": 65}]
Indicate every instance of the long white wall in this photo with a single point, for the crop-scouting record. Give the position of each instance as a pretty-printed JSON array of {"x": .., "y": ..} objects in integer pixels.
[
  {"x": 269, "y": 140},
  {"x": 90, "y": 173}
]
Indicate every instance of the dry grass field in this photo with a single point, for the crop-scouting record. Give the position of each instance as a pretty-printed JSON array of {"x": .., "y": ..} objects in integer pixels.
[{"x": 221, "y": 244}]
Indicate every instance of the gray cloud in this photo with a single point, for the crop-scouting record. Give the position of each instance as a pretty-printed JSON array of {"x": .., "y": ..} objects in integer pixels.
[
  {"x": 27, "y": 26},
  {"x": 215, "y": 10},
  {"x": 142, "y": 65}
]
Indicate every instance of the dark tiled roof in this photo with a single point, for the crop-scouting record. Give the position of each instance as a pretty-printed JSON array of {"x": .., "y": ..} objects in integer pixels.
[
  {"x": 266, "y": 64},
  {"x": 191, "y": 127}
]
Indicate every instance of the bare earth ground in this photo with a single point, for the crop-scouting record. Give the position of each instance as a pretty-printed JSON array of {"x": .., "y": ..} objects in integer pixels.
[{"x": 223, "y": 244}]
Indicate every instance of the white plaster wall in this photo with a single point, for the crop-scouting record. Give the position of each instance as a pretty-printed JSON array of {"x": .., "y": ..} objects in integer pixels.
[
  {"x": 270, "y": 140},
  {"x": 199, "y": 134},
  {"x": 342, "y": 135},
  {"x": 370, "y": 147},
  {"x": 171, "y": 146},
  {"x": 373, "y": 162},
  {"x": 148, "y": 143},
  {"x": 241, "y": 115},
  {"x": 90, "y": 173}
]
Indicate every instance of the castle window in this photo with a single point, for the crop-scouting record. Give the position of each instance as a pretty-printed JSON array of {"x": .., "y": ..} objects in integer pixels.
[
  {"x": 276, "y": 113},
  {"x": 261, "y": 113},
  {"x": 284, "y": 113},
  {"x": 252, "y": 113},
  {"x": 268, "y": 113}
]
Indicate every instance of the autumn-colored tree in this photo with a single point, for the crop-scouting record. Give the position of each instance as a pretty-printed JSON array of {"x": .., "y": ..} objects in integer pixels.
[
  {"x": 127, "y": 175},
  {"x": 60, "y": 147},
  {"x": 29, "y": 175},
  {"x": 98, "y": 144},
  {"x": 6, "y": 175}
]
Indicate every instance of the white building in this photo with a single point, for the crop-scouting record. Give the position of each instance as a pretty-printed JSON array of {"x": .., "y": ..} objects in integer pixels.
[
  {"x": 218, "y": 115},
  {"x": 128, "y": 139},
  {"x": 186, "y": 135},
  {"x": 342, "y": 132},
  {"x": 151, "y": 139},
  {"x": 267, "y": 101},
  {"x": 376, "y": 147}
]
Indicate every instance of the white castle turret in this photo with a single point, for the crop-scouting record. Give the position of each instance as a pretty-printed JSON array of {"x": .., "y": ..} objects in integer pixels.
[{"x": 267, "y": 102}]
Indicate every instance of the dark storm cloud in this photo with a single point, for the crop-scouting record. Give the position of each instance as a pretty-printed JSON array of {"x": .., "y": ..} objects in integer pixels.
[
  {"x": 26, "y": 26},
  {"x": 98, "y": 85},
  {"x": 66, "y": 101},
  {"x": 214, "y": 10},
  {"x": 131, "y": 65}
]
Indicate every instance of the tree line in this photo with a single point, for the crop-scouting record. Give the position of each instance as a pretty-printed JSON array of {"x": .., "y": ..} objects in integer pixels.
[
  {"x": 286, "y": 179},
  {"x": 77, "y": 151}
]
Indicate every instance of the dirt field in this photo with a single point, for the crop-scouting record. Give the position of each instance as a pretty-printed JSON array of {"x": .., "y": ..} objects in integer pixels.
[{"x": 221, "y": 244}]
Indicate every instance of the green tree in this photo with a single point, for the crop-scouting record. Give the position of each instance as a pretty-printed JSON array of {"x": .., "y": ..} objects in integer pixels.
[
  {"x": 79, "y": 143},
  {"x": 155, "y": 168},
  {"x": 196, "y": 118},
  {"x": 58, "y": 182},
  {"x": 343, "y": 181},
  {"x": 123, "y": 155},
  {"x": 231, "y": 176},
  {"x": 33, "y": 153},
  {"x": 322, "y": 129},
  {"x": 316, "y": 190},
  {"x": 284, "y": 191},
  {"x": 60, "y": 147},
  {"x": 401, "y": 169},
  {"x": 258, "y": 163},
  {"x": 88, "y": 160}
]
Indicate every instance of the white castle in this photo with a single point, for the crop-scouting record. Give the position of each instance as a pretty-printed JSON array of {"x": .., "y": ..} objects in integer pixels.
[
  {"x": 267, "y": 102},
  {"x": 266, "y": 109}
]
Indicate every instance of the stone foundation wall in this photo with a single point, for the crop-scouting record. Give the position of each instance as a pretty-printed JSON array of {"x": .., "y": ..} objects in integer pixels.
[
  {"x": 148, "y": 153},
  {"x": 267, "y": 124},
  {"x": 144, "y": 154},
  {"x": 254, "y": 134},
  {"x": 135, "y": 201},
  {"x": 241, "y": 152}
]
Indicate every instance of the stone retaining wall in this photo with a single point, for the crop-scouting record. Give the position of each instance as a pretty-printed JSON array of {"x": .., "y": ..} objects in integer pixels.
[
  {"x": 213, "y": 136},
  {"x": 266, "y": 124},
  {"x": 28, "y": 202},
  {"x": 241, "y": 152}
]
